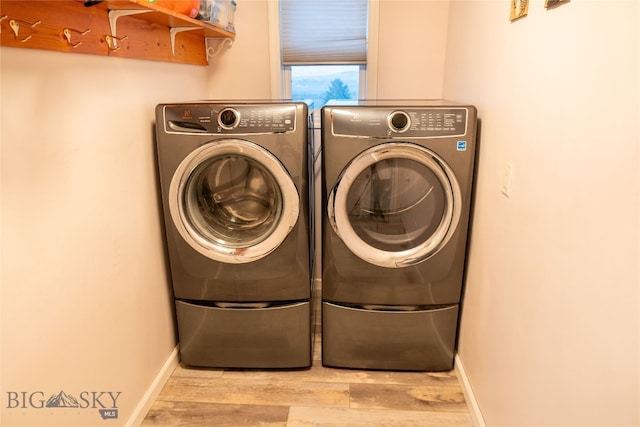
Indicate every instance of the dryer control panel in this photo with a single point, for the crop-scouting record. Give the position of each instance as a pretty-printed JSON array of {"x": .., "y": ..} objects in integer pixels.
[
  {"x": 229, "y": 118},
  {"x": 405, "y": 123}
]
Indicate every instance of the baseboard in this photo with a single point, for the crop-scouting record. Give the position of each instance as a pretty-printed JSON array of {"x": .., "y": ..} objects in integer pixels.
[
  {"x": 154, "y": 389},
  {"x": 474, "y": 408}
]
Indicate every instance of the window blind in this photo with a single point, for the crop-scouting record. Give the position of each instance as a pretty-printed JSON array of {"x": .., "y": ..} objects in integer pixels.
[{"x": 323, "y": 31}]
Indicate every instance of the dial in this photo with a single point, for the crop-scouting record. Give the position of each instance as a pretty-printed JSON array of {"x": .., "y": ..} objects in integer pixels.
[
  {"x": 228, "y": 118},
  {"x": 399, "y": 121}
]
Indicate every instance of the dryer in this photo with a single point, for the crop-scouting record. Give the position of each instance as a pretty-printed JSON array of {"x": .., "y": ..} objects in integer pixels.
[
  {"x": 397, "y": 180},
  {"x": 235, "y": 182}
]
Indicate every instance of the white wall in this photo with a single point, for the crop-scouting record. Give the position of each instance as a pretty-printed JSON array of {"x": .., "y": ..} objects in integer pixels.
[
  {"x": 550, "y": 328},
  {"x": 243, "y": 71},
  {"x": 86, "y": 301},
  {"x": 411, "y": 49}
]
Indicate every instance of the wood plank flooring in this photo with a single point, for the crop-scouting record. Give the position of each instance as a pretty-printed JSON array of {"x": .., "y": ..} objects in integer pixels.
[{"x": 319, "y": 396}]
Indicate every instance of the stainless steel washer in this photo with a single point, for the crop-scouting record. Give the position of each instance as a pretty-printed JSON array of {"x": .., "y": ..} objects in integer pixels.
[{"x": 235, "y": 182}]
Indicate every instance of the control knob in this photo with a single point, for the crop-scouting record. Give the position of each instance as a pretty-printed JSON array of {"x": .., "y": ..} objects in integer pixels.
[
  {"x": 399, "y": 121},
  {"x": 228, "y": 118}
]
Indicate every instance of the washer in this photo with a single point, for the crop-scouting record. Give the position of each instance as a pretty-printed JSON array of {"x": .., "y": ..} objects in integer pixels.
[
  {"x": 235, "y": 182},
  {"x": 397, "y": 179}
]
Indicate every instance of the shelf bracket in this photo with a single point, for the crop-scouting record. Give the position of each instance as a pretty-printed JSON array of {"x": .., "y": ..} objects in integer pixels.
[
  {"x": 212, "y": 51},
  {"x": 114, "y": 15},
  {"x": 176, "y": 30}
]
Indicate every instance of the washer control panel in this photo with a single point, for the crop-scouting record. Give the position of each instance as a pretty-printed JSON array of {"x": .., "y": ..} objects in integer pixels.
[
  {"x": 430, "y": 122},
  {"x": 229, "y": 119}
]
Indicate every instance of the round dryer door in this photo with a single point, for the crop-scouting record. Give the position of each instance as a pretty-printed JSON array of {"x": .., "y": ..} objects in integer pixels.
[
  {"x": 233, "y": 201},
  {"x": 395, "y": 204}
]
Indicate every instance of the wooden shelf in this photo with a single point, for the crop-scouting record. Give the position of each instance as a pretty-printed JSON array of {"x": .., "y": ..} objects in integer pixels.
[{"x": 153, "y": 33}]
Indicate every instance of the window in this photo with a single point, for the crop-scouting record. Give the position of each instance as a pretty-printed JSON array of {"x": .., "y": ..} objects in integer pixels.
[
  {"x": 323, "y": 46},
  {"x": 321, "y": 83}
]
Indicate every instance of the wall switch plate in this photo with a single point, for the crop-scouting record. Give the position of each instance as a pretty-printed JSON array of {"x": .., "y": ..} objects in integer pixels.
[{"x": 507, "y": 179}]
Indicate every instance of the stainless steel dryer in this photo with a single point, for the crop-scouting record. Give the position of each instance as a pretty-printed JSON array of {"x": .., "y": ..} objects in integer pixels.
[
  {"x": 235, "y": 182},
  {"x": 397, "y": 180}
]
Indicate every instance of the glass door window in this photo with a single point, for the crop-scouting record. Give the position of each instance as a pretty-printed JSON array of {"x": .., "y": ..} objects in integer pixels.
[
  {"x": 395, "y": 205},
  {"x": 233, "y": 201}
]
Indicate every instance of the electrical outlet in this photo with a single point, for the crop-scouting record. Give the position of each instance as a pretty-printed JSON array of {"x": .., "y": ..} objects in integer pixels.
[{"x": 507, "y": 179}]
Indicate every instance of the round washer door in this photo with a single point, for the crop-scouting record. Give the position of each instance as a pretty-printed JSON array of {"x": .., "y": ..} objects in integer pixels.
[
  {"x": 395, "y": 204},
  {"x": 233, "y": 201}
]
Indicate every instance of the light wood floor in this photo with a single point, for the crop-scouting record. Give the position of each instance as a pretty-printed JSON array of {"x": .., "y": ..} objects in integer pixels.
[{"x": 319, "y": 396}]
